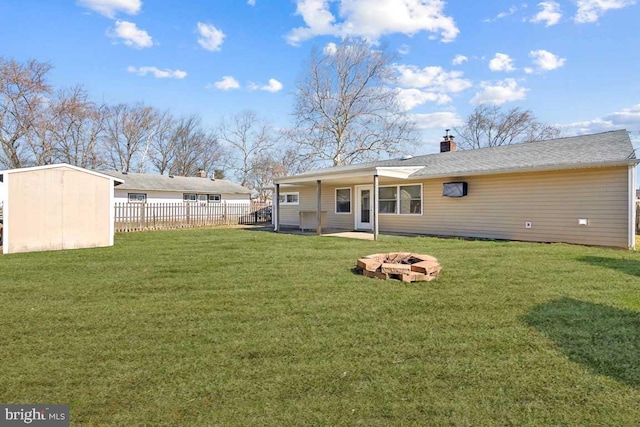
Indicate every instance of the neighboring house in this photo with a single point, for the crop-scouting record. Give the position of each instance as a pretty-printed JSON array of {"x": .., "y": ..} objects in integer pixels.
[
  {"x": 153, "y": 188},
  {"x": 56, "y": 207},
  {"x": 576, "y": 190}
]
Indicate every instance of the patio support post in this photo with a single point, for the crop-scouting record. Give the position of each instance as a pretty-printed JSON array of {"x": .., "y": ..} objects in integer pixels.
[
  {"x": 319, "y": 206},
  {"x": 276, "y": 209},
  {"x": 375, "y": 207}
]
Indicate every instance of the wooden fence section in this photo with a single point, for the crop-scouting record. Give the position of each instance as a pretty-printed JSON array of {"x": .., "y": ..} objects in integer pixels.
[{"x": 156, "y": 216}]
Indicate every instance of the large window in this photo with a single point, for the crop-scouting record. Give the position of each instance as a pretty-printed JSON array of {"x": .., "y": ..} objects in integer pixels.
[
  {"x": 289, "y": 198},
  {"x": 410, "y": 199},
  {"x": 343, "y": 200},
  {"x": 401, "y": 199},
  {"x": 215, "y": 198},
  {"x": 137, "y": 197},
  {"x": 388, "y": 197}
]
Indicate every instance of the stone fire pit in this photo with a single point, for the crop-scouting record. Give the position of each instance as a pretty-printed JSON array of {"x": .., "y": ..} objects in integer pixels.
[{"x": 405, "y": 266}]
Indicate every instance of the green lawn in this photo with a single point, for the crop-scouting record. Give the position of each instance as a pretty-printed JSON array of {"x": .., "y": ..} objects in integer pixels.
[{"x": 240, "y": 327}]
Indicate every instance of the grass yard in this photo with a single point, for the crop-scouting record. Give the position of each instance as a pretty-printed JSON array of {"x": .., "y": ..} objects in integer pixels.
[{"x": 236, "y": 327}]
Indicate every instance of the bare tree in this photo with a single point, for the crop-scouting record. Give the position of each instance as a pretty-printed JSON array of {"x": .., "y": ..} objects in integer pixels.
[
  {"x": 270, "y": 165},
  {"x": 75, "y": 127},
  {"x": 247, "y": 138},
  {"x": 490, "y": 126},
  {"x": 23, "y": 92},
  {"x": 163, "y": 150},
  {"x": 129, "y": 130},
  {"x": 264, "y": 169},
  {"x": 194, "y": 148},
  {"x": 345, "y": 109},
  {"x": 38, "y": 141}
]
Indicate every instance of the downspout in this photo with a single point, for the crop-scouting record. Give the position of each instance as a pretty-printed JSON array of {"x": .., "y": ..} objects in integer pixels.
[{"x": 375, "y": 207}]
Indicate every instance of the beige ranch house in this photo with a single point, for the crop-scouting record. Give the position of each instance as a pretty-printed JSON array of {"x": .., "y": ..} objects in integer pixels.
[{"x": 575, "y": 190}]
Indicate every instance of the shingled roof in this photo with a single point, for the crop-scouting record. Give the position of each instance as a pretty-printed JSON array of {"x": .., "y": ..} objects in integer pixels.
[
  {"x": 596, "y": 150},
  {"x": 148, "y": 182}
]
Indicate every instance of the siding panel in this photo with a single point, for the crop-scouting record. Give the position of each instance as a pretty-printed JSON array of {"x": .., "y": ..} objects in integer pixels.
[{"x": 498, "y": 207}]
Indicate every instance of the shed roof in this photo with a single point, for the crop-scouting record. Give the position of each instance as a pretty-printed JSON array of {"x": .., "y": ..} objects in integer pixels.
[
  {"x": 596, "y": 150},
  {"x": 148, "y": 182},
  {"x": 63, "y": 165}
]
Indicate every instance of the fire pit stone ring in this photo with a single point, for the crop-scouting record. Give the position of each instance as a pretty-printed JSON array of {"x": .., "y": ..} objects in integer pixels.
[{"x": 405, "y": 266}]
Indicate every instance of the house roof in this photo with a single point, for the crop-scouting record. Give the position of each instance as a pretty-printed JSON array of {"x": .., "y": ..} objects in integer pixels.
[
  {"x": 596, "y": 150},
  {"x": 101, "y": 174},
  {"x": 148, "y": 182}
]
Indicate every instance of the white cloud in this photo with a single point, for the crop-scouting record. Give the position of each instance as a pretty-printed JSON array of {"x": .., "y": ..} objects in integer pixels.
[
  {"x": 627, "y": 118},
  {"x": 433, "y": 78},
  {"x": 251, "y": 2},
  {"x": 227, "y": 83},
  {"x": 210, "y": 38},
  {"x": 545, "y": 61},
  {"x": 372, "y": 19},
  {"x": 501, "y": 15},
  {"x": 158, "y": 73},
  {"x": 109, "y": 8},
  {"x": 428, "y": 84},
  {"x": 131, "y": 35},
  {"x": 592, "y": 10},
  {"x": 411, "y": 98},
  {"x": 404, "y": 49},
  {"x": 273, "y": 86},
  {"x": 459, "y": 59},
  {"x": 499, "y": 93},
  {"x": 501, "y": 62},
  {"x": 439, "y": 120},
  {"x": 330, "y": 49},
  {"x": 550, "y": 13}
]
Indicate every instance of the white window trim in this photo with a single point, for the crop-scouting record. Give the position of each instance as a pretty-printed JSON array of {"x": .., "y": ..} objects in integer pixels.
[
  {"x": 136, "y": 201},
  {"x": 398, "y": 200},
  {"x": 285, "y": 198},
  {"x": 335, "y": 204},
  {"x": 199, "y": 198}
]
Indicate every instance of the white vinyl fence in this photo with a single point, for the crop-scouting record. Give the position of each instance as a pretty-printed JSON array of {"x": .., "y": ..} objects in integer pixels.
[{"x": 155, "y": 216}]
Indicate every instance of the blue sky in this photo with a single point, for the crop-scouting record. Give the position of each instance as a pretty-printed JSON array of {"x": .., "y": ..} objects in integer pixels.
[{"x": 574, "y": 63}]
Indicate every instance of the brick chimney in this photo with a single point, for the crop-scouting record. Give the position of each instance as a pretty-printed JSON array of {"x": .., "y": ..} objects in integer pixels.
[
  {"x": 202, "y": 173},
  {"x": 447, "y": 143}
]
